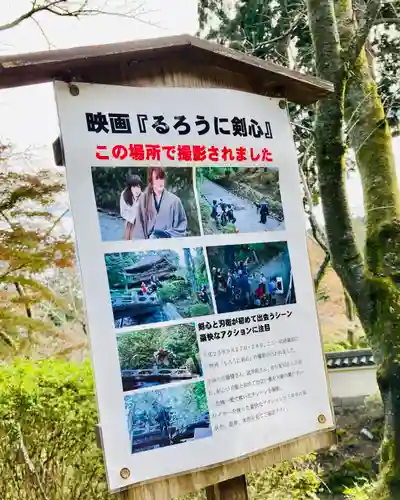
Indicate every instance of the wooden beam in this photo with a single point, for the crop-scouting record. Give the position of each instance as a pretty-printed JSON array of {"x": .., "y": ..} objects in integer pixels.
[
  {"x": 233, "y": 489},
  {"x": 41, "y": 67}
]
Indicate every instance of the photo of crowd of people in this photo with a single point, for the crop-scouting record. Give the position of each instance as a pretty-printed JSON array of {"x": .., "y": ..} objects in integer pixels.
[
  {"x": 239, "y": 199},
  {"x": 251, "y": 276},
  {"x": 145, "y": 203},
  {"x": 158, "y": 285},
  {"x": 167, "y": 417}
]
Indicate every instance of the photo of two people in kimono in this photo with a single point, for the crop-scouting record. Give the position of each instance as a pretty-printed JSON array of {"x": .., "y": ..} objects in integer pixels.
[{"x": 145, "y": 202}]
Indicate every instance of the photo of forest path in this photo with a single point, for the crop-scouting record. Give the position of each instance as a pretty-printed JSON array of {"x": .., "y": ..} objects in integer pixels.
[
  {"x": 239, "y": 199},
  {"x": 167, "y": 417},
  {"x": 158, "y": 356},
  {"x": 160, "y": 285},
  {"x": 251, "y": 276},
  {"x": 114, "y": 208}
]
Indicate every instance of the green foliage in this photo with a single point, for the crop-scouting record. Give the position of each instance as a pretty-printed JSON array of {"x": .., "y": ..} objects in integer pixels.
[
  {"x": 297, "y": 480},
  {"x": 363, "y": 491},
  {"x": 47, "y": 441},
  {"x": 220, "y": 257},
  {"x": 199, "y": 391},
  {"x": 30, "y": 246},
  {"x": 351, "y": 472},
  {"x": 173, "y": 290},
  {"x": 136, "y": 350},
  {"x": 266, "y": 30},
  {"x": 198, "y": 309},
  {"x": 251, "y": 183},
  {"x": 184, "y": 403},
  {"x": 116, "y": 264},
  {"x": 209, "y": 225}
]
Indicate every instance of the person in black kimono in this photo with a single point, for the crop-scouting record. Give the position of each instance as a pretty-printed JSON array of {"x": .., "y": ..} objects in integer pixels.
[{"x": 264, "y": 212}]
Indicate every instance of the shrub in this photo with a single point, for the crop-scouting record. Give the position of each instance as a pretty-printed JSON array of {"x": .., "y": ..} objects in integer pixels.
[
  {"x": 351, "y": 472},
  {"x": 48, "y": 449},
  {"x": 173, "y": 290},
  {"x": 198, "y": 310},
  {"x": 297, "y": 479},
  {"x": 47, "y": 440}
]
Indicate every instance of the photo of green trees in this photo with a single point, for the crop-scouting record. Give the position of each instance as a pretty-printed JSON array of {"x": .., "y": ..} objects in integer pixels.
[
  {"x": 158, "y": 285},
  {"x": 167, "y": 417},
  {"x": 158, "y": 356}
]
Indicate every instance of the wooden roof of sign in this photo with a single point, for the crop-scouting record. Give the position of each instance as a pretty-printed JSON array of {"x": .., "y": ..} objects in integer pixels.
[{"x": 77, "y": 64}]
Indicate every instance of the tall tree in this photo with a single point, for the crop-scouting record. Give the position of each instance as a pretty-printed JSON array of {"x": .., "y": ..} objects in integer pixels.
[
  {"x": 372, "y": 282},
  {"x": 350, "y": 40},
  {"x": 30, "y": 245}
]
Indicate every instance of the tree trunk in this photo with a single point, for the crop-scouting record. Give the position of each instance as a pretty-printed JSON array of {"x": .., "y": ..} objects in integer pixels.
[
  {"x": 330, "y": 148},
  {"x": 190, "y": 270},
  {"x": 371, "y": 285},
  {"x": 379, "y": 302},
  {"x": 380, "y": 308}
]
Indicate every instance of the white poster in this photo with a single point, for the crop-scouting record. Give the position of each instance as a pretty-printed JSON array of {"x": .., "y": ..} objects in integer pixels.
[{"x": 191, "y": 237}]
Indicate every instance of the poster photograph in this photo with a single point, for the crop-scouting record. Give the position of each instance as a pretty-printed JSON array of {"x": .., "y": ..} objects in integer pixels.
[
  {"x": 144, "y": 203},
  {"x": 192, "y": 248},
  {"x": 158, "y": 356},
  {"x": 158, "y": 286},
  {"x": 251, "y": 276},
  {"x": 239, "y": 199},
  {"x": 167, "y": 417}
]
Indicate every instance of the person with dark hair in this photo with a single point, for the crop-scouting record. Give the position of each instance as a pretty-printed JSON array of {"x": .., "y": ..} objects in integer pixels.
[
  {"x": 129, "y": 202},
  {"x": 214, "y": 210},
  {"x": 264, "y": 212},
  {"x": 230, "y": 214},
  {"x": 161, "y": 213}
]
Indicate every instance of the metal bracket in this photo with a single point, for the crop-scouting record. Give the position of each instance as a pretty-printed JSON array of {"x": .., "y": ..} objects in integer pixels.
[{"x": 58, "y": 152}]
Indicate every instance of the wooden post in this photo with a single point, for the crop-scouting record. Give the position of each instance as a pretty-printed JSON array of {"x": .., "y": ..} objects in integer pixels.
[{"x": 233, "y": 489}]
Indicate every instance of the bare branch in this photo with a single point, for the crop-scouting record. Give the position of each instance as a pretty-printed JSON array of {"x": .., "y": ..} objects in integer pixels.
[
  {"x": 390, "y": 20},
  {"x": 66, "y": 8},
  {"x": 360, "y": 36},
  {"x": 56, "y": 221},
  {"x": 321, "y": 271},
  {"x": 21, "y": 293},
  {"x": 30, "y": 13},
  {"x": 50, "y": 45},
  {"x": 317, "y": 231}
]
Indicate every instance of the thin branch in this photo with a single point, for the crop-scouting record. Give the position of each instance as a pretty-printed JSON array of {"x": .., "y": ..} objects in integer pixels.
[
  {"x": 30, "y": 13},
  {"x": 50, "y": 45},
  {"x": 282, "y": 36},
  {"x": 58, "y": 219},
  {"x": 373, "y": 8},
  {"x": 62, "y": 9},
  {"x": 317, "y": 231},
  {"x": 30, "y": 464},
  {"x": 321, "y": 271},
  {"x": 389, "y": 20},
  {"x": 21, "y": 293}
]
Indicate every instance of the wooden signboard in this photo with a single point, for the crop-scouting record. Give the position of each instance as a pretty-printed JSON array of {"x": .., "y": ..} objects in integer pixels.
[{"x": 249, "y": 278}]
